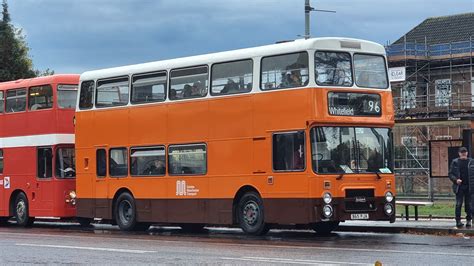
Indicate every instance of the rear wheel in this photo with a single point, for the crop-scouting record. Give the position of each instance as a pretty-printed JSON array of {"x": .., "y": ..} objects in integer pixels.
[
  {"x": 250, "y": 213},
  {"x": 126, "y": 212},
  {"x": 324, "y": 228},
  {"x": 22, "y": 213}
]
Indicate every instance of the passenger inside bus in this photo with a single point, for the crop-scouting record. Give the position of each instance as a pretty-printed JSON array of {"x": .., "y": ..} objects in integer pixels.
[{"x": 156, "y": 168}]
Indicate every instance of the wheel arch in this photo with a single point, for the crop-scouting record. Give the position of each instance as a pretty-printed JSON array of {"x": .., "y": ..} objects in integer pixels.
[
  {"x": 116, "y": 195},
  {"x": 240, "y": 193},
  {"x": 13, "y": 196}
]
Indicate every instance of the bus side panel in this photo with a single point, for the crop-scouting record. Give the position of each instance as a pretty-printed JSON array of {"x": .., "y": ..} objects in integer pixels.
[
  {"x": 147, "y": 125},
  {"x": 188, "y": 122},
  {"x": 284, "y": 110}
]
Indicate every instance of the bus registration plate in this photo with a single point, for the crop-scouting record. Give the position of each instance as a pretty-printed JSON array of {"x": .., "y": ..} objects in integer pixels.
[{"x": 360, "y": 216}]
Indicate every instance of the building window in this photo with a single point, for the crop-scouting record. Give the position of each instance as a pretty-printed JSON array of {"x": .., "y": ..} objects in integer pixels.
[
  {"x": 147, "y": 88},
  {"x": 16, "y": 100},
  {"x": 148, "y": 161},
  {"x": 118, "y": 162},
  {"x": 85, "y": 97},
  {"x": 101, "y": 162},
  {"x": 289, "y": 151},
  {"x": 333, "y": 69},
  {"x": 45, "y": 163},
  {"x": 65, "y": 163},
  {"x": 67, "y": 96},
  {"x": 232, "y": 77},
  {"x": 443, "y": 92},
  {"x": 187, "y": 159},
  {"x": 40, "y": 97},
  {"x": 284, "y": 71},
  {"x": 1, "y": 161},
  {"x": 188, "y": 83},
  {"x": 112, "y": 92},
  {"x": 408, "y": 93},
  {"x": 2, "y": 102}
]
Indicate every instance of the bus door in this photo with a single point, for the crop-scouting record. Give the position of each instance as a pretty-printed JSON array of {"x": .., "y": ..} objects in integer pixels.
[
  {"x": 101, "y": 184},
  {"x": 2, "y": 180},
  {"x": 44, "y": 186}
]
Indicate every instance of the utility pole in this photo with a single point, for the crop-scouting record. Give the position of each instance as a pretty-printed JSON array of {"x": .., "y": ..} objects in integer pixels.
[{"x": 307, "y": 10}]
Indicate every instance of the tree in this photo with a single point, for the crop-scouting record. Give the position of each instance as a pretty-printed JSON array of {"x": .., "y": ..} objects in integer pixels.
[{"x": 15, "y": 62}]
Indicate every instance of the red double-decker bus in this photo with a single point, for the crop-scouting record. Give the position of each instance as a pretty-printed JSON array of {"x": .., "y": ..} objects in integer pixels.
[{"x": 37, "y": 160}]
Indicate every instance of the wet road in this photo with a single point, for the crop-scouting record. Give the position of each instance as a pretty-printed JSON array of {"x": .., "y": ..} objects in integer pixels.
[{"x": 64, "y": 244}]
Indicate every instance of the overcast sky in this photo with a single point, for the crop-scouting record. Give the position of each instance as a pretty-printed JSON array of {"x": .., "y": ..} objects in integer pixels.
[{"x": 72, "y": 36}]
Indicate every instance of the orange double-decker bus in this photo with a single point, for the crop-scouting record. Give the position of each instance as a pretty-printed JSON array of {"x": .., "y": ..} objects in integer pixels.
[
  {"x": 296, "y": 133},
  {"x": 37, "y": 171}
]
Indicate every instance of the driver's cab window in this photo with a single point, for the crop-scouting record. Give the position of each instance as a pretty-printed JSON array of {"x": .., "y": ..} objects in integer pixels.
[{"x": 45, "y": 163}]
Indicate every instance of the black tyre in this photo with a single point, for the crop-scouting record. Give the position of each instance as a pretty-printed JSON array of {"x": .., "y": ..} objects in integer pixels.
[
  {"x": 251, "y": 215},
  {"x": 22, "y": 214},
  {"x": 192, "y": 228},
  {"x": 126, "y": 212},
  {"x": 324, "y": 228},
  {"x": 84, "y": 222}
]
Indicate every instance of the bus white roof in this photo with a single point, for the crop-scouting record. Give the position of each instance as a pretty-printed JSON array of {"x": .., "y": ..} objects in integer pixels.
[{"x": 330, "y": 43}]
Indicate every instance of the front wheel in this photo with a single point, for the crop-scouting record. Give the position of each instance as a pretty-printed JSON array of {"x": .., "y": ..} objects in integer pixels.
[
  {"x": 251, "y": 214},
  {"x": 22, "y": 213},
  {"x": 324, "y": 228},
  {"x": 126, "y": 212}
]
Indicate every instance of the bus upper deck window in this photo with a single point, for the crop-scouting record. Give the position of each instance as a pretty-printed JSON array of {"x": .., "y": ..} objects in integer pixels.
[
  {"x": 113, "y": 92},
  {"x": 2, "y": 104},
  {"x": 67, "y": 95},
  {"x": 370, "y": 71},
  {"x": 85, "y": 97},
  {"x": 333, "y": 69},
  {"x": 284, "y": 71},
  {"x": 16, "y": 100},
  {"x": 40, "y": 97}
]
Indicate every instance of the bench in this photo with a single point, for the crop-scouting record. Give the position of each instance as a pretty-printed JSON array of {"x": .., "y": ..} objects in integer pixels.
[{"x": 415, "y": 204}]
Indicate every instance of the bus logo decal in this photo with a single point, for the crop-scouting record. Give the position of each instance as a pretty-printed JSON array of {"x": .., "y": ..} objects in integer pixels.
[
  {"x": 182, "y": 189},
  {"x": 6, "y": 182}
]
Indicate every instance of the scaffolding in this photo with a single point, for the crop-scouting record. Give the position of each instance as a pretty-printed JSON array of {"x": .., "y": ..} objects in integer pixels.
[{"x": 435, "y": 102}]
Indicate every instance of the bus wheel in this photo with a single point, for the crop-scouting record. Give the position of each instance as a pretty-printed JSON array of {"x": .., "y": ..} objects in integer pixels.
[
  {"x": 324, "y": 228},
  {"x": 126, "y": 212},
  {"x": 192, "y": 228},
  {"x": 22, "y": 212},
  {"x": 84, "y": 222},
  {"x": 251, "y": 214}
]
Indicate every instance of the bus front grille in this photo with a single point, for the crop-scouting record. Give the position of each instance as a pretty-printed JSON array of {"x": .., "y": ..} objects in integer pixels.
[{"x": 359, "y": 200}]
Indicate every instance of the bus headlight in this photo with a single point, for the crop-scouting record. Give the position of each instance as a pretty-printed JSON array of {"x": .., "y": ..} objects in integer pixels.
[
  {"x": 71, "y": 197},
  {"x": 389, "y": 196},
  {"x": 327, "y": 211},
  {"x": 388, "y": 208},
  {"x": 72, "y": 194},
  {"x": 327, "y": 197}
]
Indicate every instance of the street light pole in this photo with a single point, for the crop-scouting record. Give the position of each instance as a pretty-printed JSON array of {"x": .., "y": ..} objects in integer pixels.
[{"x": 307, "y": 10}]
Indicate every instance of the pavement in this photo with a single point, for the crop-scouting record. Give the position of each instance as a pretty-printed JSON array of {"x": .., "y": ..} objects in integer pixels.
[{"x": 422, "y": 226}]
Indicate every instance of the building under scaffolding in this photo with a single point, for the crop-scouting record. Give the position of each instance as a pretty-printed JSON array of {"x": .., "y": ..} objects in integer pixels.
[{"x": 435, "y": 102}]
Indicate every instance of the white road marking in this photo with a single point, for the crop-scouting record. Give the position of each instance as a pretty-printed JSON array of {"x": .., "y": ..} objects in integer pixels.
[
  {"x": 89, "y": 248},
  {"x": 294, "y": 261},
  {"x": 386, "y": 251}
]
